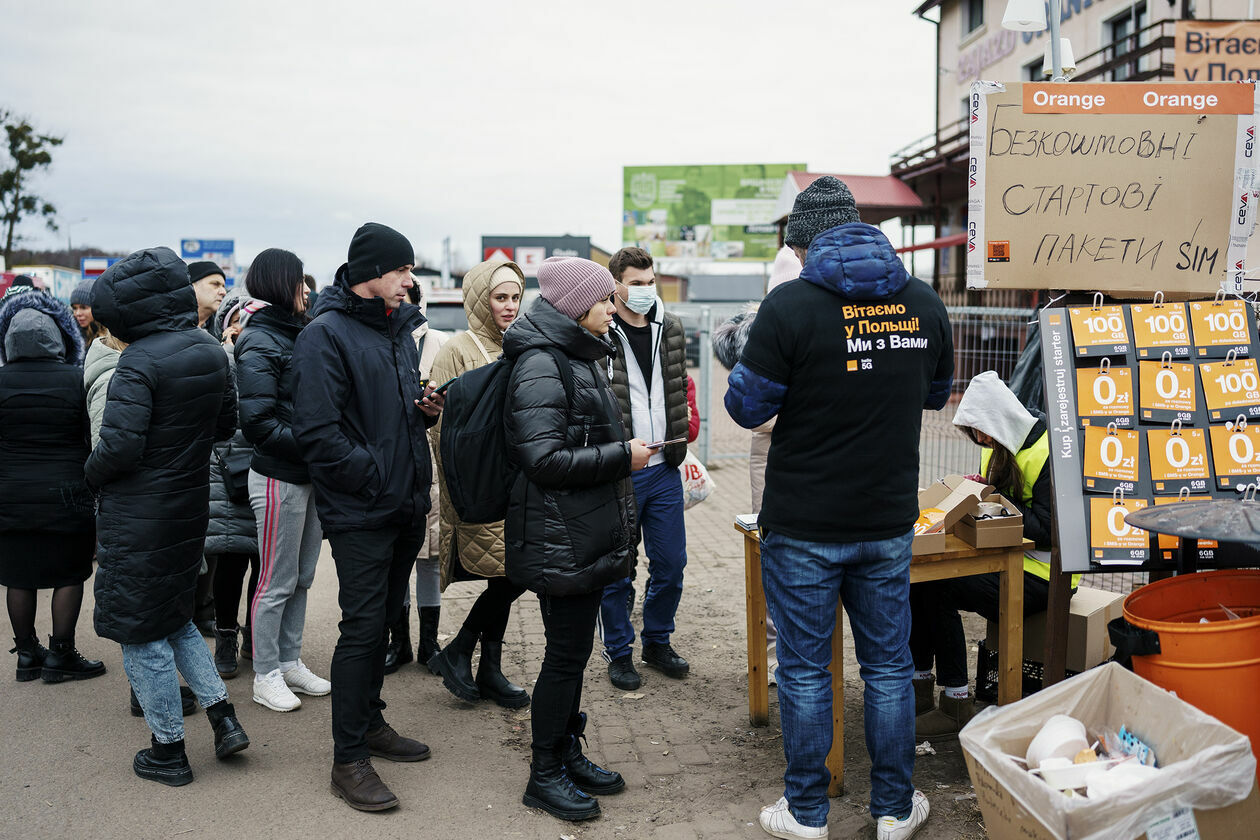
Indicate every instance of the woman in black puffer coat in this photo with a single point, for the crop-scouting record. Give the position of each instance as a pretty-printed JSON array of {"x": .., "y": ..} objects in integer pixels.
[
  {"x": 47, "y": 529},
  {"x": 170, "y": 398},
  {"x": 571, "y": 523},
  {"x": 232, "y": 537}
]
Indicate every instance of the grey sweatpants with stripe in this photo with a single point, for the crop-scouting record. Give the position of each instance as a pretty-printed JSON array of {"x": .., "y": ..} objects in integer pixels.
[{"x": 289, "y": 539}]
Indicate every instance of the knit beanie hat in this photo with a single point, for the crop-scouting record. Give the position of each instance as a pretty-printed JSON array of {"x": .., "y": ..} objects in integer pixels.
[
  {"x": 786, "y": 267},
  {"x": 573, "y": 285},
  {"x": 202, "y": 270},
  {"x": 82, "y": 294},
  {"x": 821, "y": 206},
  {"x": 377, "y": 250}
]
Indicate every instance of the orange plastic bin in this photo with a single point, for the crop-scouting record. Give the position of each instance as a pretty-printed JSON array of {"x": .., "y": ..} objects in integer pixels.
[{"x": 1214, "y": 666}]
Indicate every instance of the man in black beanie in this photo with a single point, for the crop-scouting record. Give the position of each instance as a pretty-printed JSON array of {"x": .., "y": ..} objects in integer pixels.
[
  {"x": 360, "y": 418},
  {"x": 847, "y": 358},
  {"x": 210, "y": 284}
]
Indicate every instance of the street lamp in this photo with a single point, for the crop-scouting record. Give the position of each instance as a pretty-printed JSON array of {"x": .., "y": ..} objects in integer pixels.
[{"x": 1030, "y": 16}]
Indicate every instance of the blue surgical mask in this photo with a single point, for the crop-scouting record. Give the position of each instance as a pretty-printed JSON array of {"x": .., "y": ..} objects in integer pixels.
[{"x": 640, "y": 299}]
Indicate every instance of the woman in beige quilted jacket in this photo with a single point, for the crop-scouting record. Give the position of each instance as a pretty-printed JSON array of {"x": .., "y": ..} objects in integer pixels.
[{"x": 467, "y": 551}]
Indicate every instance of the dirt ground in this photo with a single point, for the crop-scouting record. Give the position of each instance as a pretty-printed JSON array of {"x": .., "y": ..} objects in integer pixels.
[{"x": 695, "y": 767}]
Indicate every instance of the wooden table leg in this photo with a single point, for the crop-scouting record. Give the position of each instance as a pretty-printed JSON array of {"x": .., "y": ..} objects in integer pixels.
[
  {"x": 1011, "y": 629},
  {"x": 755, "y": 599},
  {"x": 835, "y": 758}
]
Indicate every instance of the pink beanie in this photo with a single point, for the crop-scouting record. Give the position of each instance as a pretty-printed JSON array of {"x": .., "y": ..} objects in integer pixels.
[
  {"x": 573, "y": 285},
  {"x": 786, "y": 267}
]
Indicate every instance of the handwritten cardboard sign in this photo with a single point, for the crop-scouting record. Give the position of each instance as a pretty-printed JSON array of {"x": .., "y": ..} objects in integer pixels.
[{"x": 1148, "y": 188}]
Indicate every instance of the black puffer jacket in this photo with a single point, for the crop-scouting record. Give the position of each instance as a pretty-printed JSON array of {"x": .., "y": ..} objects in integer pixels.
[
  {"x": 355, "y": 417},
  {"x": 670, "y": 349},
  {"x": 232, "y": 528},
  {"x": 264, "y": 379},
  {"x": 571, "y": 523},
  {"x": 171, "y": 397},
  {"x": 43, "y": 420}
]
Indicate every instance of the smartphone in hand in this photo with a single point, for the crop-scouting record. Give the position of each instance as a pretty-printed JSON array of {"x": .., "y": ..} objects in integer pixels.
[{"x": 663, "y": 443}]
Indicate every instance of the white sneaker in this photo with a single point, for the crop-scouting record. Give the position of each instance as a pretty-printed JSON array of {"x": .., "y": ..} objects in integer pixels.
[
  {"x": 891, "y": 828},
  {"x": 300, "y": 678},
  {"x": 270, "y": 691},
  {"x": 778, "y": 821}
]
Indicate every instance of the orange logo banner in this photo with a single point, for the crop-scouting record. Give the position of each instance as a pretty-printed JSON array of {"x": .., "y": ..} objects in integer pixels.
[{"x": 1139, "y": 98}]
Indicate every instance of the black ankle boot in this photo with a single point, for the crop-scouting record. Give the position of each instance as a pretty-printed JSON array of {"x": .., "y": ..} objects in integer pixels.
[
  {"x": 165, "y": 763},
  {"x": 491, "y": 682},
  {"x": 64, "y": 662},
  {"x": 229, "y": 736},
  {"x": 398, "y": 649},
  {"x": 586, "y": 774},
  {"x": 31, "y": 656},
  {"x": 454, "y": 663},
  {"x": 225, "y": 647},
  {"x": 551, "y": 789},
  {"x": 247, "y": 642},
  {"x": 429, "y": 617}
]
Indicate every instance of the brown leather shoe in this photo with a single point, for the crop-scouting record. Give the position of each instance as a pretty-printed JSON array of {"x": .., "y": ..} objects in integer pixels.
[
  {"x": 388, "y": 744},
  {"x": 357, "y": 783}
]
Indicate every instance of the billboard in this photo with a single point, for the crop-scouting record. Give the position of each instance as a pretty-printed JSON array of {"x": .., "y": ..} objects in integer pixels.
[
  {"x": 717, "y": 212},
  {"x": 219, "y": 251}
]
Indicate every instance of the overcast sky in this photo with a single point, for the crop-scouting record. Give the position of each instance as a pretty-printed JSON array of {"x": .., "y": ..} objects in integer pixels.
[{"x": 287, "y": 124}]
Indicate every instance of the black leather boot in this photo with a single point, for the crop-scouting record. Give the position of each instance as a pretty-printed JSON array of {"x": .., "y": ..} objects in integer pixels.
[
  {"x": 165, "y": 763},
  {"x": 454, "y": 663},
  {"x": 428, "y": 646},
  {"x": 398, "y": 648},
  {"x": 586, "y": 774},
  {"x": 31, "y": 656},
  {"x": 491, "y": 682},
  {"x": 64, "y": 662},
  {"x": 247, "y": 642},
  {"x": 229, "y": 736},
  {"x": 551, "y": 789},
  {"x": 225, "y": 647}
]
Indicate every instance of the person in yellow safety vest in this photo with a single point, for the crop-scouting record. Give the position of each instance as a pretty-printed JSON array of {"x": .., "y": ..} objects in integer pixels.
[{"x": 1015, "y": 460}]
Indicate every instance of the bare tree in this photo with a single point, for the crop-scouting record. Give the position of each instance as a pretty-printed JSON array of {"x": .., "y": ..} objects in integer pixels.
[{"x": 28, "y": 152}]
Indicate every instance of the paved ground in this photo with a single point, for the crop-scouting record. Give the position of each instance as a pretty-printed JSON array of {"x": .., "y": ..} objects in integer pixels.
[{"x": 694, "y": 766}]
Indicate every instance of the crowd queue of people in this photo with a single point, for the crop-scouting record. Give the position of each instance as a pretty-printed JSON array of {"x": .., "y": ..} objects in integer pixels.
[{"x": 199, "y": 445}]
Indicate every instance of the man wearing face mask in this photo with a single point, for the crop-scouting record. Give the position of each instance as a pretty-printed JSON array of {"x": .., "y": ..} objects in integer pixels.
[{"x": 649, "y": 377}]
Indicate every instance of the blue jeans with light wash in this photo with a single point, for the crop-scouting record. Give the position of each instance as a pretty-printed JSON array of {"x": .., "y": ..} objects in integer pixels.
[
  {"x": 803, "y": 582},
  {"x": 659, "y": 497},
  {"x": 151, "y": 667}
]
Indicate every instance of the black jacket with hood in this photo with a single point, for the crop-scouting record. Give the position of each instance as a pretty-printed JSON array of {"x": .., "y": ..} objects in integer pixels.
[
  {"x": 355, "y": 417},
  {"x": 669, "y": 350},
  {"x": 571, "y": 524},
  {"x": 43, "y": 419},
  {"x": 265, "y": 381},
  {"x": 170, "y": 398}
]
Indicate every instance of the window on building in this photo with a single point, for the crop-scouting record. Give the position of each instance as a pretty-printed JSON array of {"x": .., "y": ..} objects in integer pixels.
[
  {"x": 973, "y": 15},
  {"x": 1032, "y": 71},
  {"x": 1124, "y": 34}
]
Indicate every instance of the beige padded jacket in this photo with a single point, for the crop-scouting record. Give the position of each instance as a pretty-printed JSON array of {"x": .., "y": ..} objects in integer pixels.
[{"x": 478, "y": 548}]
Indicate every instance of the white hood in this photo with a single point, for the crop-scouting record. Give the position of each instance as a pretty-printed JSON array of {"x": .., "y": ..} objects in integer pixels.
[{"x": 989, "y": 406}]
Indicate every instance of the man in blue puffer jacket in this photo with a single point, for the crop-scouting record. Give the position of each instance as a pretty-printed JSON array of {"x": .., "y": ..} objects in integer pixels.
[{"x": 847, "y": 357}]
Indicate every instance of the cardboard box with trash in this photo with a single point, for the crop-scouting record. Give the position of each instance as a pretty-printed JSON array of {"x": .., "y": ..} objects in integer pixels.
[
  {"x": 1108, "y": 755},
  {"x": 941, "y": 505}
]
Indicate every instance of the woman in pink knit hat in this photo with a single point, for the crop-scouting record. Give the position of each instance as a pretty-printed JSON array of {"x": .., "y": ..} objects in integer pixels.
[{"x": 570, "y": 526}]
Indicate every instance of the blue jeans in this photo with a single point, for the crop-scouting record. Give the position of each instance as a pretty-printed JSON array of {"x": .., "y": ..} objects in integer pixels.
[
  {"x": 803, "y": 582},
  {"x": 151, "y": 668},
  {"x": 658, "y": 494}
]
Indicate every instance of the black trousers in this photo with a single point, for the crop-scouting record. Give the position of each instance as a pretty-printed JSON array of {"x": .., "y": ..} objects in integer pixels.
[
  {"x": 570, "y": 631},
  {"x": 373, "y": 571},
  {"x": 488, "y": 617},
  {"x": 229, "y": 577},
  {"x": 936, "y": 630}
]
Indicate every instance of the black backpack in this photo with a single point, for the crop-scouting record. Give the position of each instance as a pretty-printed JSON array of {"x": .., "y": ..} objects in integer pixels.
[{"x": 474, "y": 448}]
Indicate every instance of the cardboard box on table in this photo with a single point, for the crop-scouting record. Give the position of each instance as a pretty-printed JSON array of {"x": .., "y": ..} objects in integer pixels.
[
  {"x": 1207, "y": 768},
  {"x": 955, "y": 496},
  {"x": 995, "y": 532},
  {"x": 1088, "y": 643}
]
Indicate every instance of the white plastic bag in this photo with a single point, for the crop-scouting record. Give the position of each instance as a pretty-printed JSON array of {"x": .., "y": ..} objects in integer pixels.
[{"x": 697, "y": 485}]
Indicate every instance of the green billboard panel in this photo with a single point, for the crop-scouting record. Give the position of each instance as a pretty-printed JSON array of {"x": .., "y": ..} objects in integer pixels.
[{"x": 714, "y": 212}]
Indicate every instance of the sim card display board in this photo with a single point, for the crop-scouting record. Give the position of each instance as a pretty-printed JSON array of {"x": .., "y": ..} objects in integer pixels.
[{"x": 1148, "y": 404}]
